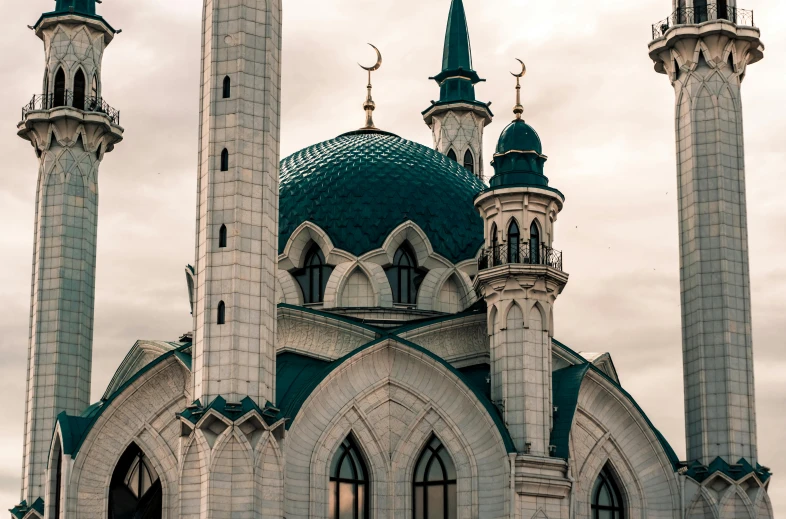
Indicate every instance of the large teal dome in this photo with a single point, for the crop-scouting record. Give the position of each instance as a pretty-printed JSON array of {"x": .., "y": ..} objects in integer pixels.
[{"x": 361, "y": 185}]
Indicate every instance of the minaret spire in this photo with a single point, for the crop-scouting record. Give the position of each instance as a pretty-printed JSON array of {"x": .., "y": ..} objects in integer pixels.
[{"x": 457, "y": 120}]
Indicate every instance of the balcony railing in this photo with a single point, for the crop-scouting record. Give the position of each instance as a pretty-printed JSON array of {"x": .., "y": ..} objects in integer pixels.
[
  {"x": 521, "y": 255},
  {"x": 701, "y": 14},
  {"x": 67, "y": 98}
]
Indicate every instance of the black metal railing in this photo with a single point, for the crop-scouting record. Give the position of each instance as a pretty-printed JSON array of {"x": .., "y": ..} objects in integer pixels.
[
  {"x": 521, "y": 255},
  {"x": 701, "y": 14},
  {"x": 67, "y": 98}
]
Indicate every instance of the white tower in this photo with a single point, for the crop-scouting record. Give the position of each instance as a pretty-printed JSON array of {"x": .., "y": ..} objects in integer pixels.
[
  {"x": 237, "y": 206},
  {"x": 705, "y": 48},
  {"x": 71, "y": 128},
  {"x": 457, "y": 120},
  {"x": 520, "y": 276}
]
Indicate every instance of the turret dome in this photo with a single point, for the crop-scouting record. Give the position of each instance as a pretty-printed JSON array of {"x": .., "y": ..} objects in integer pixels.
[{"x": 519, "y": 136}]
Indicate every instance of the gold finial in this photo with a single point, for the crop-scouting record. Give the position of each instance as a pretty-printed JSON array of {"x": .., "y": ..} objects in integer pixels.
[
  {"x": 518, "y": 109},
  {"x": 369, "y": 105}
]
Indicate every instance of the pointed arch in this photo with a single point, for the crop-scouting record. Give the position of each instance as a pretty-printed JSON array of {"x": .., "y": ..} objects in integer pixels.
[
  {"x": 405, "y": 275},
  {"x": 350, "y": 483},
  {"x": 469, "y": 161},
  {"x": 434, "y": 483},
  {"x": 54, "y": 499},
  {"x": 135, "y": 487},
  {"x": 514, "y": 242},
  {"x": 357, "y": 290},
  {"x": 59, "y": 94},
  {"x": 80, "y": 89},
  {"x": 606, "y": 500},
  {"x": 451, "y": 295},
  {"x": 535, "y": 242},
  {"x": 227, "y": 88},
  {"x": 314, "y": 275},
  {"x": 452, "y": 155}
]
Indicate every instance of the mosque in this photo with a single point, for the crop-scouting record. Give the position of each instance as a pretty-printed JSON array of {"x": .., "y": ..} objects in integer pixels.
[{"x": 373, "y": 323}]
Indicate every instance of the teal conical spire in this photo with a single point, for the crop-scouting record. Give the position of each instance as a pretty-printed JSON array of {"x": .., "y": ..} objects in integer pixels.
[
  {"x": 457, "y": 79},
  {"x": 76, "y": 6}
]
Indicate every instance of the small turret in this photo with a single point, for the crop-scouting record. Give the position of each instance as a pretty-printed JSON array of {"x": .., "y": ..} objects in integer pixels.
[{"x": 76, "y": 6}]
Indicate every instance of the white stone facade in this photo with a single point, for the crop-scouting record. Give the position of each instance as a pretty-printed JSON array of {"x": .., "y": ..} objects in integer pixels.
[
  {"x": 459, "y": 128},
  {"x": 70, "y": 144},
  {"x": 237, "y": 207}
]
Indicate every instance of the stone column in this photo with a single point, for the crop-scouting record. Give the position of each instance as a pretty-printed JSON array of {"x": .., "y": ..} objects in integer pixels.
[
  {"x": 71, "y": 129},
  {"x": 237, "y": 206},
  {"x": 706, "y": 64}
]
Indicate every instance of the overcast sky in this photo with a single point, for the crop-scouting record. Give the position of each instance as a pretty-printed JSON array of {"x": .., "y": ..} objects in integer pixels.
[{"x": 605, "y": 118}]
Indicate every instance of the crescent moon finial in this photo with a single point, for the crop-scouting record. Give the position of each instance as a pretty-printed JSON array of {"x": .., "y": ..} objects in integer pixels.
[
  {"x": 378, "y": 64},
  {"x": 523, "y": 70}
]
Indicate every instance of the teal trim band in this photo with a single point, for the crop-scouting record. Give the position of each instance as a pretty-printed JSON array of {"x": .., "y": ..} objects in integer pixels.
[{"x": 55, "y": 14}]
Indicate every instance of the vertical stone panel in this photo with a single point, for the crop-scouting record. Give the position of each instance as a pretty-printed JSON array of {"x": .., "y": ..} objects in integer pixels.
[{"x": 242, "y": 41}]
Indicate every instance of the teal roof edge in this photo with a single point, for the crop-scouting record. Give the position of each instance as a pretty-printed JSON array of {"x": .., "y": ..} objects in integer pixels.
[
  {"x": 506, "y": 186},
  {"x": 291, "y": 408},
  {"x": 55, "y": 14},
  {"x": 20, "y": 510},
  {"x": 479, "y": 104},
  {"x": 736, "y": 471},
  {"x": 566, "y": 384}
]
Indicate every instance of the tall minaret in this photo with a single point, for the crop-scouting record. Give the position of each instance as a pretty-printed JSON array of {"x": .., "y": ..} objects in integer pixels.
[
  {"x": 520, "y": 276},
  {"x": 237, "y": 202},
  {"x": 457, "y": 120},
  {"x": 71, "y": 128},
  {"x": 705, "y": 51}
]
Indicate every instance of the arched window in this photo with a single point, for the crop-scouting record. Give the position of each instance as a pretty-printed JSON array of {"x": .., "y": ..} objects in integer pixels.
[
  {"x": 224, "y": 160},
  {"x": 701, "y": 14},
  {"x": 405, "y": 277},
  {"x": 469, "y": 162},
  {"x": 227, "y": 87},
  {"x": 514, "y": 243},
  {"x": 94, "y": 87},
  {"x": 79, "y": 90},
  {"x": 452, "y": 156},
  {"x": 434, "y": 484},
  {"x": 135, "y": 490},
  {"x": 58, "y": 483},
  {"x": 494, "y": 245},
  {"x": 349, "y": 483},
  {"x": 222, "y": 313},
  {"x": 606, "y": 497},
  {"x": 60, "y": 91},
  {"x": 222, "y": 237},
  {"x": 314, "y": 275},
  {"x": 46, "y": 82},
  {"x": 534, "y": 243}
]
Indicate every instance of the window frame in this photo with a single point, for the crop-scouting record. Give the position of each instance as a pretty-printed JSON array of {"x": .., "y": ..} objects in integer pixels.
[
  {"x": 407, "y": 276},
  {"x": 606, "y": 480},
  {"x": 313, "y": 276},
  {"x": 434, "y": 453},
  {"x": 469, "y": 165},
  {"x": 451, "y": 154},
  {"x": 514, "y": 242},
  {"x": 348, "y": 451},
  {"x": 535, "y": 243}
]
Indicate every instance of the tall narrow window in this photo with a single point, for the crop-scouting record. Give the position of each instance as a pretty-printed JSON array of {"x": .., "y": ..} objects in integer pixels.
[
  {"x": 60, "y": 91},
  {"x": 452, "y": 156},
  {"x": 313, "y": 277},
  {"x": 46, "y": 83},
  {"x": 700, "y": 12},
  {"x": 94, "y": 87},
  {"x": 494, "y": 245},
  {"x": 227, "y": 87},
  {"x": 405, "y": 277},
  {"x": 534, "y": 243},
  {"x": 222, "y": 313},
  {"x": 79, "y": 90},
  {"x": 58, "y": 483},
  {"x": 606, "y": 497},
  {"x": 514, "y": 243},
  {"x": 222, "y": 237},
  {"x": 135, "y": 490},
  {"x": 723, "y": 11},
  {"x": 434, "y": 484},
  {"x": 225, "y": 160},
  {"x": 349, "y": 483},
  {"x": 469, "y": 162}
]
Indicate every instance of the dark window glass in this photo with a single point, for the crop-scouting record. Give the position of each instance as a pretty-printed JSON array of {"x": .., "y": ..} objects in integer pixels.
[
  {"x": 225, "y": 160},
  {"x": 94, "y": 87},
  {"x": 495, "y": 244},
  {"x": 452, "y": 156},
  {"x": 405, "y": 277},
  {"x": 469, "y": 162},
  {"x": 79, "y": 90},
  {"x": 46, "y": 82},
  {"x": 700, "y": 11},
  {"x": 58, "y": 483},
  {"x": 606, "y": 497},
  {"x": 227, "y": 87},
  {"x": 222, "y": 237},
  {"x": 222, "y": 313},
  {"x": 314, "y": 276},
  {"x": 135, "y": 490},
  {"x": 723, "y": 11},
  {"x": 349, "y": 483},
  {"x": 434, "y": 483},
  {"x": 60, "y": 92},
  {"x": 514, "y": 243},
  {"x": 534, "y": 243}
]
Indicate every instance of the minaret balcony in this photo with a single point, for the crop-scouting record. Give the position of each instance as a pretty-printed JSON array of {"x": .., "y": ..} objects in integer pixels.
[
  {"x": 706, "y": 12},
  {"x": 67, "y": 99},
  {"x": 521, "y": 255}
]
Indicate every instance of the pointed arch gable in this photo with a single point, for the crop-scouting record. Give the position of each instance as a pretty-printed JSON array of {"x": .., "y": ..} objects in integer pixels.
[
  {"x": 354, "y": 287},
  {"x": 410, "y": 232},
  {"x": 299, "y": 243}
]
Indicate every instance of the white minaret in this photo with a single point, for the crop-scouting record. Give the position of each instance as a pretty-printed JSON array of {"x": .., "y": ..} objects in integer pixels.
[
  {"x": 705, "y": 49},
  {"x": 71, "y": 128},
  {"x": 237, "y": 206},
  {"x": 457, "y": 120},
  {"x": 520, "y": 276}
]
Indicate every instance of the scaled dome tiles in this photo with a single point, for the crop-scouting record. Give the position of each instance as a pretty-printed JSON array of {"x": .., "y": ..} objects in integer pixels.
[{"x": 361, "y": 185}]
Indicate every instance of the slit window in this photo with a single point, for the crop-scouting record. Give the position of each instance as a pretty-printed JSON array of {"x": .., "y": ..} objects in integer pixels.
[
  {"x": 514, "y": 243},
  {"x": 79, "y": 90},
  {"x": 222, "y": 237},
  {"x": 227, "y": 88},
  {"x": 469, "y": 162},
  {"x": 224, "y": 160},
  {"x": 222, "y": 313},
  {"x": 60, "y": 91},
  {"x": 534, "y": 243}
]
